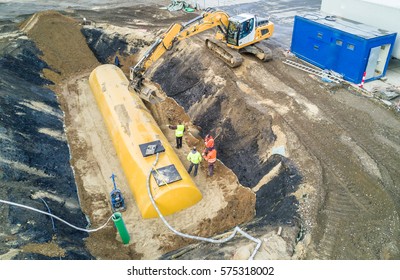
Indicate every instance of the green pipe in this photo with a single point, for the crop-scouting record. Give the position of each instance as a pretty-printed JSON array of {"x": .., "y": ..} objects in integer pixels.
[{"x": 120, "y": 225}]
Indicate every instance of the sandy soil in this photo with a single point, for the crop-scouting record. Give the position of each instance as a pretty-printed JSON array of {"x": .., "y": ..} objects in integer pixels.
[{"x": 68, "y": 53}]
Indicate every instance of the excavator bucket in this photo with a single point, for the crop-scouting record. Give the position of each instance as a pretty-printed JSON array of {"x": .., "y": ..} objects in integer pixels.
[{"x": 146, "y": 91}]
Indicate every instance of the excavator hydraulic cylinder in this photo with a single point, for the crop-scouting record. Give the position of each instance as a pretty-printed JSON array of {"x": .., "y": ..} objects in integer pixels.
[{"x": 137, "y": 138}]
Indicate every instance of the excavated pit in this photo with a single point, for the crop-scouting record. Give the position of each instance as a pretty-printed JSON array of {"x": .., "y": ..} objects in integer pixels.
[
  {"x": 67, "y": 72},
  {"x": 240, "y": 148},
  {"x": 225, "y": 202},
  {"x": 244, "y": 136}
]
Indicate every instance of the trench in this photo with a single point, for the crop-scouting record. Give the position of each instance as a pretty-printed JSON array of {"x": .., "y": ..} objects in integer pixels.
[{"x": 243, "y": 134}]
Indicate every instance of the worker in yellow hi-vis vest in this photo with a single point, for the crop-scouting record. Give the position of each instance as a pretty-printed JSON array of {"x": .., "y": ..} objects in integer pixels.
[
  {"x": 179, "y": 130},
  {"x": 195, "y": 158}
]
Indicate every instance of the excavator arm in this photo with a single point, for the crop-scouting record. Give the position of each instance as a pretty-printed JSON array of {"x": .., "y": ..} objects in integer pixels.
[
  {"x": 207, "y": 20},
  {"x": 156, "y": 50},
  {"x": 177, "y": 32}
]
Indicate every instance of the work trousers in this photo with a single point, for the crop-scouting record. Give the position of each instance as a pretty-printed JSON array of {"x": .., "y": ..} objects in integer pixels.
[
  {"x": 178, "y": 142},
  {"x": 196, "y": 167},
  {"x": 211, "y": 168}
]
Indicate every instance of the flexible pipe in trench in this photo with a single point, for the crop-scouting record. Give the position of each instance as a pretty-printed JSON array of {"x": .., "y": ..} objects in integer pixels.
[{"x": 54, "y": 216}]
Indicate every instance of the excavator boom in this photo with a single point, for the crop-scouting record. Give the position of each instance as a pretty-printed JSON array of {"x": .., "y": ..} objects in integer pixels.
[
  {"x": 205, "y": 21},
  {"x": 177, "y": 32}
]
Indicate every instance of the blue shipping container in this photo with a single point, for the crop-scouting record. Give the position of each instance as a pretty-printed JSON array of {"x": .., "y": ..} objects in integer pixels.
[{"x": 344, "y": 46}]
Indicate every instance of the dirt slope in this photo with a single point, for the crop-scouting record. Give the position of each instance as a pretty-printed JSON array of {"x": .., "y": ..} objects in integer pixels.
[
  {"x": 64, "y": 47},
  {"x": 346, "y": 146}
]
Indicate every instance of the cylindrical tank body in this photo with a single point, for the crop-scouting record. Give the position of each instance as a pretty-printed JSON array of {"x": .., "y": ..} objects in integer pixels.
[{"x": 130, "y": 124}]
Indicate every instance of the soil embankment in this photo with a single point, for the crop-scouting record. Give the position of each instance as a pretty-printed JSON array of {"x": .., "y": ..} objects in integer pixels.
[{"x": 63, "y": 46}]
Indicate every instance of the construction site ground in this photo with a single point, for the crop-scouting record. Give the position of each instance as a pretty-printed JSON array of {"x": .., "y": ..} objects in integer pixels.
[{"x": 330, "y": 192}]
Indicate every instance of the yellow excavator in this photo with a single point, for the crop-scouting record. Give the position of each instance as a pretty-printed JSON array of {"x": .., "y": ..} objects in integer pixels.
[{"x": 238, "y": 34}]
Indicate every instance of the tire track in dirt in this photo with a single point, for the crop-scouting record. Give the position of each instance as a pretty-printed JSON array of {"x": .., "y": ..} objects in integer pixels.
[
  {"x": 355, "y": 199},
  {"x": 342, "y": 203},
  {"x": 353, "y": 203}
]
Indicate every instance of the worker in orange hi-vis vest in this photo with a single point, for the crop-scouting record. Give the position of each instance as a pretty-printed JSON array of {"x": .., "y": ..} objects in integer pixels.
[
  {"x": 211, "y": 158},
  {"x": 209, "y": 143}
]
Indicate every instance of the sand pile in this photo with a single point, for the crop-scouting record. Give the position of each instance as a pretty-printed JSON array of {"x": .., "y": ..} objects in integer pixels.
[{"x": 62, "y": 43}]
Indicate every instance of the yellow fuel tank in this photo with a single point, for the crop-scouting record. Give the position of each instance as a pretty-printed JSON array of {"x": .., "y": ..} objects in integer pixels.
[{"x": 135, "y": 135}]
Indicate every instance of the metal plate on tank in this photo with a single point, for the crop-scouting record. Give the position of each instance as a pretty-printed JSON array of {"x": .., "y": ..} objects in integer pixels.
[
  {"x": 151, "y": 148},
  {"x": 166, "y": 175}
]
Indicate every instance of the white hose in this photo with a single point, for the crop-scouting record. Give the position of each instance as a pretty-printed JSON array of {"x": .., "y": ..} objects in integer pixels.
[
  {"x": 237, "y": 229},
  {"x": 218, "y": 241},
  {"x": 54, "y": 216}
]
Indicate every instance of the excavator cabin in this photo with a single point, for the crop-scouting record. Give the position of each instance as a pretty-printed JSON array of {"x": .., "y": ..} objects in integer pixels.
[{"x": 245, "y": 29}]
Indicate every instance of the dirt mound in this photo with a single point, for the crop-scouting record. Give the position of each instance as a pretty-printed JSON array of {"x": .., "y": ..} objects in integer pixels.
[{"x": 62, "y": 43}]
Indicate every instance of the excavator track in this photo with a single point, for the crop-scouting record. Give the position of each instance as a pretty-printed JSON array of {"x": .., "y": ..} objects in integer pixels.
[
  {"x": 261, "y": 51},
  {"x": 231, "y": 57},
  {"x": 264, "y": 53}
]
